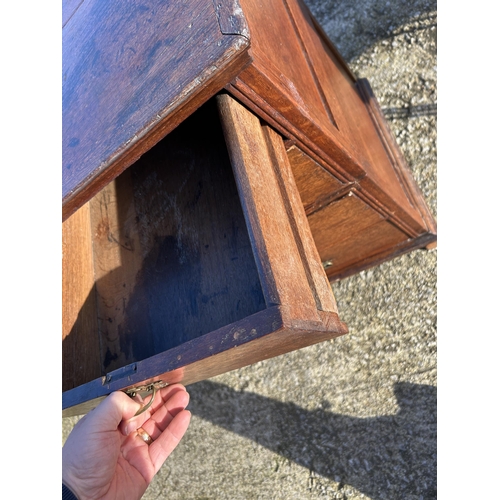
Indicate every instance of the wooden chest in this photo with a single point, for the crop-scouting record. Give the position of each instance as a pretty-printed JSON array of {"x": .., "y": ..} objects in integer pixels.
[{"x": 200, "y": 232}]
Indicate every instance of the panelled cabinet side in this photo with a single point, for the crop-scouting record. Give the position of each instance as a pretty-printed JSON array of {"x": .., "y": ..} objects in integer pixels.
[{"x": 337, "y": 137}]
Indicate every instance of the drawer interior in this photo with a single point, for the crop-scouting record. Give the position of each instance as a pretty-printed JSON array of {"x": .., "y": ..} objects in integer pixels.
[{"x": 159, "y": 257}]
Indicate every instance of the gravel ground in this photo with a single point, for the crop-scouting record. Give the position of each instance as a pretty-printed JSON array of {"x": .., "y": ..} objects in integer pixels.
[{"x": 354, "y": 417}]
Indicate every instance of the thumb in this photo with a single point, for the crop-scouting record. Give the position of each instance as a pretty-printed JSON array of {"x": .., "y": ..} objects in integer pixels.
[{"x": 115, "y": 408}]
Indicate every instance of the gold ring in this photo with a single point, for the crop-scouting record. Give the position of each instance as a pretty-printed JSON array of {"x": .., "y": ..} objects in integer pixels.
[{"x": 144, "y": 435}]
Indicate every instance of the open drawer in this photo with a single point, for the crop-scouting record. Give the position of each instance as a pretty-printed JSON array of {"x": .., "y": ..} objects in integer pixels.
[{"x": 195, "y": 261}]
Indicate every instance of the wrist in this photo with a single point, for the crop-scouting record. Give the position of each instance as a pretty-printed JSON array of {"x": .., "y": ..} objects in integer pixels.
[
  {"x": 67, "y": 493},
  {"x": 71, "y": 484}
]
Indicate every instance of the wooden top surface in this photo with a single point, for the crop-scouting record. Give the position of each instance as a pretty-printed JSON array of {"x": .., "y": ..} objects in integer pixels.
[{"x": 131, "y": 73}]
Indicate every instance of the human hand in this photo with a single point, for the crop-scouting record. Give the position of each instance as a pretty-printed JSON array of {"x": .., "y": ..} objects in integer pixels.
[{"x": 105, "y": 458}]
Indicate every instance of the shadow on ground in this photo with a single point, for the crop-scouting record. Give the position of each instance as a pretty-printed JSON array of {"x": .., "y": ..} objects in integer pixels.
[{"x": 374, "y": 455}]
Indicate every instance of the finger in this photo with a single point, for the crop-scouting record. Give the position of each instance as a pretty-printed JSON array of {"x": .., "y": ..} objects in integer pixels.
[
  {"x": 161, "y": 419},
  {"x": 161, "y": 398},
  {"x": 115, "y": 408},
  {"x": 163, "y": 395},
  {"x": 160, "y": 449}
]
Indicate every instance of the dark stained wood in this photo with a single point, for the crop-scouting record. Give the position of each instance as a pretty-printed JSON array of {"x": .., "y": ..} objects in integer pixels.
[
  {"x": 348, "y": 230},
  {"x": 337, "y": 137},
  {"x": 285, "y": 65},
  {"x": 309, "y": 181},
  {"x": 317, "y": 186},
  {"x": 174, "y": 257},
  {"x": 186, "y": 290},
  {"x": 80, "y": 340},
  {"x": 231, "y": 19},
  {"x": 194, "y": 232},
  {"x": 293, "y": 134},
  {"x": 131, "y": 74},
  {"x": 184, "y": 269},
  {"x": 261, "y": 336},
  {"x": 268, "y": 97},
  {"x": 340, "y": 220},
  {"x": 169, "y": 366},
  {"x": 360, "y": 245},
  {"x": 201, "y": 248},
  {"x": 118, "y": 260},
  {"x": 171, "y": 257},
  {"x": 343, "y": 97}
]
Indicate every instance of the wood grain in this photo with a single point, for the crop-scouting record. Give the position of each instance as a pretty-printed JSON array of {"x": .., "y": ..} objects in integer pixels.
[
  {"x": 80, "y": 340},
  {"x": 194, "y": 233},
  {"x": 349, "y": 231},
  {"x": 117, "y": 262},
  {"x": 131, "y": 74},
  {"x": 312, "y": 180},
  {"x": 179, "y": 236},
  {"x": 397, "y": 159},
  {"x": 408, "y": 245},
  {"x": 282, "y": 275},
  {"x": 342, "y": 95},
  {"x": 318, "y": 282},
  {"x": 340, "y": 220},
  {"x": 261, "y": 336},
  {"x": 174, "y": 230},
  {"x": 315, "y": 102},
  {"x": 317, "y": 186},
  {"x": 361, "y": 245},
  {"x": 286, "y": 65},
  {"x": 191, "y": 262}
]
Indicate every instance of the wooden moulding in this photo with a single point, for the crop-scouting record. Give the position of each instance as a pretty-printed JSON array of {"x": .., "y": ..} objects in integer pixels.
[
  {"x": 397, "y": 159},
  {"x": 203, "y": 262},
  {"x": 321, "y": 108},
  {"x": 282, "y": 240},
  {"x": 350, "y": 235},
  {"x": 376, "y": 258},
  {"x": 132, "y": 72}
]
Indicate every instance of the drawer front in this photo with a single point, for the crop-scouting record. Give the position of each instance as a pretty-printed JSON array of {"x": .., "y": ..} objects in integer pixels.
[
  {"x": 317, "y": 186},
  {"x": 350, "y": 235},
  {"x": 348, "y": 232}
]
